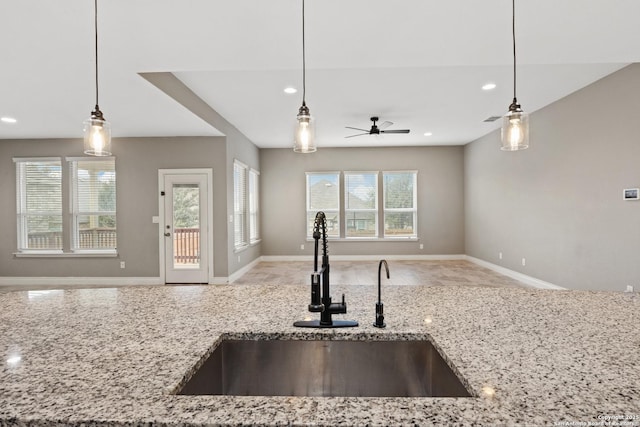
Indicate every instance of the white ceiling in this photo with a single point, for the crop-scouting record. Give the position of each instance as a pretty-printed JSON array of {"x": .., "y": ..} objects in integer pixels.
[{"x": 417, "y": 63}]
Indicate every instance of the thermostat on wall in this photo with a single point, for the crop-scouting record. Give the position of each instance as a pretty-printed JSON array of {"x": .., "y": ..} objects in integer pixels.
[{"x": 631, "y": 194}]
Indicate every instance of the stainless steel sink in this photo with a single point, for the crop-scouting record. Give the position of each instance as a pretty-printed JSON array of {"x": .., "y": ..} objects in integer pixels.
[{"x": 325, "y": 368}]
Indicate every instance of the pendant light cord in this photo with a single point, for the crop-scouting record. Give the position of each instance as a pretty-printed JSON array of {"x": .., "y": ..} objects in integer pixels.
[
  {"x": 95, "y": 14},
  {"x": 513, "y": 33},
  {"x": 304, "y": 70}
]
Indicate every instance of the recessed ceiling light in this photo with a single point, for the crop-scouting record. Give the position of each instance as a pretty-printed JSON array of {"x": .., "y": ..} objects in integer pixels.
[
  {"x": 8, "y": 119},
  {"x": 290, "y": 90},
  {"x": 428, "y": 134},
  {"x": 489, "y": 86}
]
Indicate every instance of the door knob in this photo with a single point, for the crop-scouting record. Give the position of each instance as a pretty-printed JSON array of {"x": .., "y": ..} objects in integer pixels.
[{"x": 167, "y": 234}]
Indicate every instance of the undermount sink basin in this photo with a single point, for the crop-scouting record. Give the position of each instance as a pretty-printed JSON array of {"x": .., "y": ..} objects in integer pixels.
[{"x": 325, "y": 368}]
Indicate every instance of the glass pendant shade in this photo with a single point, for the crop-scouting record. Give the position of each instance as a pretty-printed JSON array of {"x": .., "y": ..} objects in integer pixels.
[
  {"x": 304, "y": 135},
  {"x": 97, "y": 136},
  {"x": 515, "y": 130}
]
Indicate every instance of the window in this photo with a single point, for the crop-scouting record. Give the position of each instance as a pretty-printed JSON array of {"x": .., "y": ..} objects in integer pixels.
[
  {"x": 361, "y": 204},
  {"x": 39, "y": 204},
  {"x": 240, "y": 234},
  {"x": 254, "y": 206},
  {"x": 93, "y": 204},
  {"x": 246, "y": 206},
  {"x": 85, "y": 225},
  {"x": 323, "y": 194},
  {"x": 400, "y": 201},
  {"x": 358, "y": 207}
]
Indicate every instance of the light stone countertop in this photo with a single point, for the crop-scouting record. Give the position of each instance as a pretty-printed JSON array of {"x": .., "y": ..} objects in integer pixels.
[{"x": 115, "y": 356}]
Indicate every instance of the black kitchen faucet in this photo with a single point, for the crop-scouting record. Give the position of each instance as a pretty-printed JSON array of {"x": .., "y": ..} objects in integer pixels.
[{"x": 321, "y": 303}]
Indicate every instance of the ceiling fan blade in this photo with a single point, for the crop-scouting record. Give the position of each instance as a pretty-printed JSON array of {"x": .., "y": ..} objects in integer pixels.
[
  {"x": 395, "y": 131},
  {"x": 363, "y": 130},
  {"x": 359, "y": 134},
  {"x": 385, "y": 124}
]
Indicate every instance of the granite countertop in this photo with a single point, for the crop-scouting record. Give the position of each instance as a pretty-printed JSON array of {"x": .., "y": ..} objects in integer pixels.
[{"x": 116, "y": 356}]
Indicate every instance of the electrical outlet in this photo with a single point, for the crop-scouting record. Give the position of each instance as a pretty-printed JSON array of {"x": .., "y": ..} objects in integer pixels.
[
  {"x": 421, "y": 246},
  {"x": 524, "y": 262},
  {"x": 629, "y": 288},
  {"x": 122, "y": 264},
  {"x": 500, "y": 255},
  {"x": 302, "y": 247}
]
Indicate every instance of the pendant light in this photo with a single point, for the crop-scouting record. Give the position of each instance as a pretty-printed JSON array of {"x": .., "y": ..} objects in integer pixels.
[
  {"x": 97, "y": 131},
  {"x": 304, "y": 135},
  {"x": 515, "y": 124}
]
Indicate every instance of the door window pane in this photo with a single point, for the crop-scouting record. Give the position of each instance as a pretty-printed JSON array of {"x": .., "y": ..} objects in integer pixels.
[{"x": 186, "y": 225}]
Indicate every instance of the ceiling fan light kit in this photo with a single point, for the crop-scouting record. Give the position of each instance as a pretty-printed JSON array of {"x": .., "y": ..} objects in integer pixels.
[
  {"x": 377, "y": 130},
  {"x": 97, "y": 131},
  {"x": 515, "y": 124}
]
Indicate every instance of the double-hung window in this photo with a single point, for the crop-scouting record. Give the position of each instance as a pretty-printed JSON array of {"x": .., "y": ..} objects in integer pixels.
[
  {"x": 85, "y": 223},
  {"x": 400, "y": 204},
  {"x": 361, "y": 204},
  {"x": 350, "y": 201},
  {"x": 254, "y": 206},
  {"x": 93, "y": 204},
  {"x": 240, "y": 235},
  {"x": 323, "y": 194},
  {"x": 246, "y": 206},
  {"x": 39, "y": 204}
]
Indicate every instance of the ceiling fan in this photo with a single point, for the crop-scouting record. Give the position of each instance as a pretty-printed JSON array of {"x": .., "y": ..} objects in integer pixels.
[{"x": 377, "y": 130}]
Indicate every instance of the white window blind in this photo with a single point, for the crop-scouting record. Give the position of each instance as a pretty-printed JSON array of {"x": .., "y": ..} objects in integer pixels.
[
  {"x": 361, "y": 204},
  {"x": 93, "y": 204},
  {"x": 400, "y": 204},
  {"x": 240, "y": 235},
  {"x": 39, "y": 204},
  {"x": 323, "y": 194},
  {"x": 254, "y": 206}
]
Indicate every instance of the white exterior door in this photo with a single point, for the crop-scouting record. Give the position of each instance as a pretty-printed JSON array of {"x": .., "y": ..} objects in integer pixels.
[{"x": 185, "y": 229}]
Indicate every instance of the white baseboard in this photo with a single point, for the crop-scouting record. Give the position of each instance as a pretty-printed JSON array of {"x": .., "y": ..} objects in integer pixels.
[
  {"x": 79, "y": 281},
  {"x": 527, "y": 280},
  {"x": 239, "y": 273}
]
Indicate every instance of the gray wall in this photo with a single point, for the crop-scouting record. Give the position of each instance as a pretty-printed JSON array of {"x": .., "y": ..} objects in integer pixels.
[
  {"x": 137, "y": 164},
  {"x": 238, "y": 147},
  {"x": 559, "y": 203},
  {"x": 440, "y": 197}
]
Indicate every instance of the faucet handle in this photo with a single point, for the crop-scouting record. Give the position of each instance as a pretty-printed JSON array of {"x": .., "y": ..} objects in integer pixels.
[{"x": 379, "y": 316}]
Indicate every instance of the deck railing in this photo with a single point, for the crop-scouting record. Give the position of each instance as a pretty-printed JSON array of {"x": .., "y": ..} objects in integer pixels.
[
  {"x": 186, "y": 242},
  {"x": 186, "y": 245},
  {"x": 93, "y": 238}
]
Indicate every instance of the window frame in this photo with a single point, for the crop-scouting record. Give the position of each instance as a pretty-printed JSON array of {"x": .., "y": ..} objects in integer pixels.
[
  {"x": 347, "y": 209},
  {"x": 413, "y": 210},
  {"x": 74, "y": 209},
  {"x": 240, "y": 227},
  {"x": 342, "y": 212},
  {"x": 22, "y": 210},
  {"x": 331, "y": 212},
  {"x": 254, "y": 206}
]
